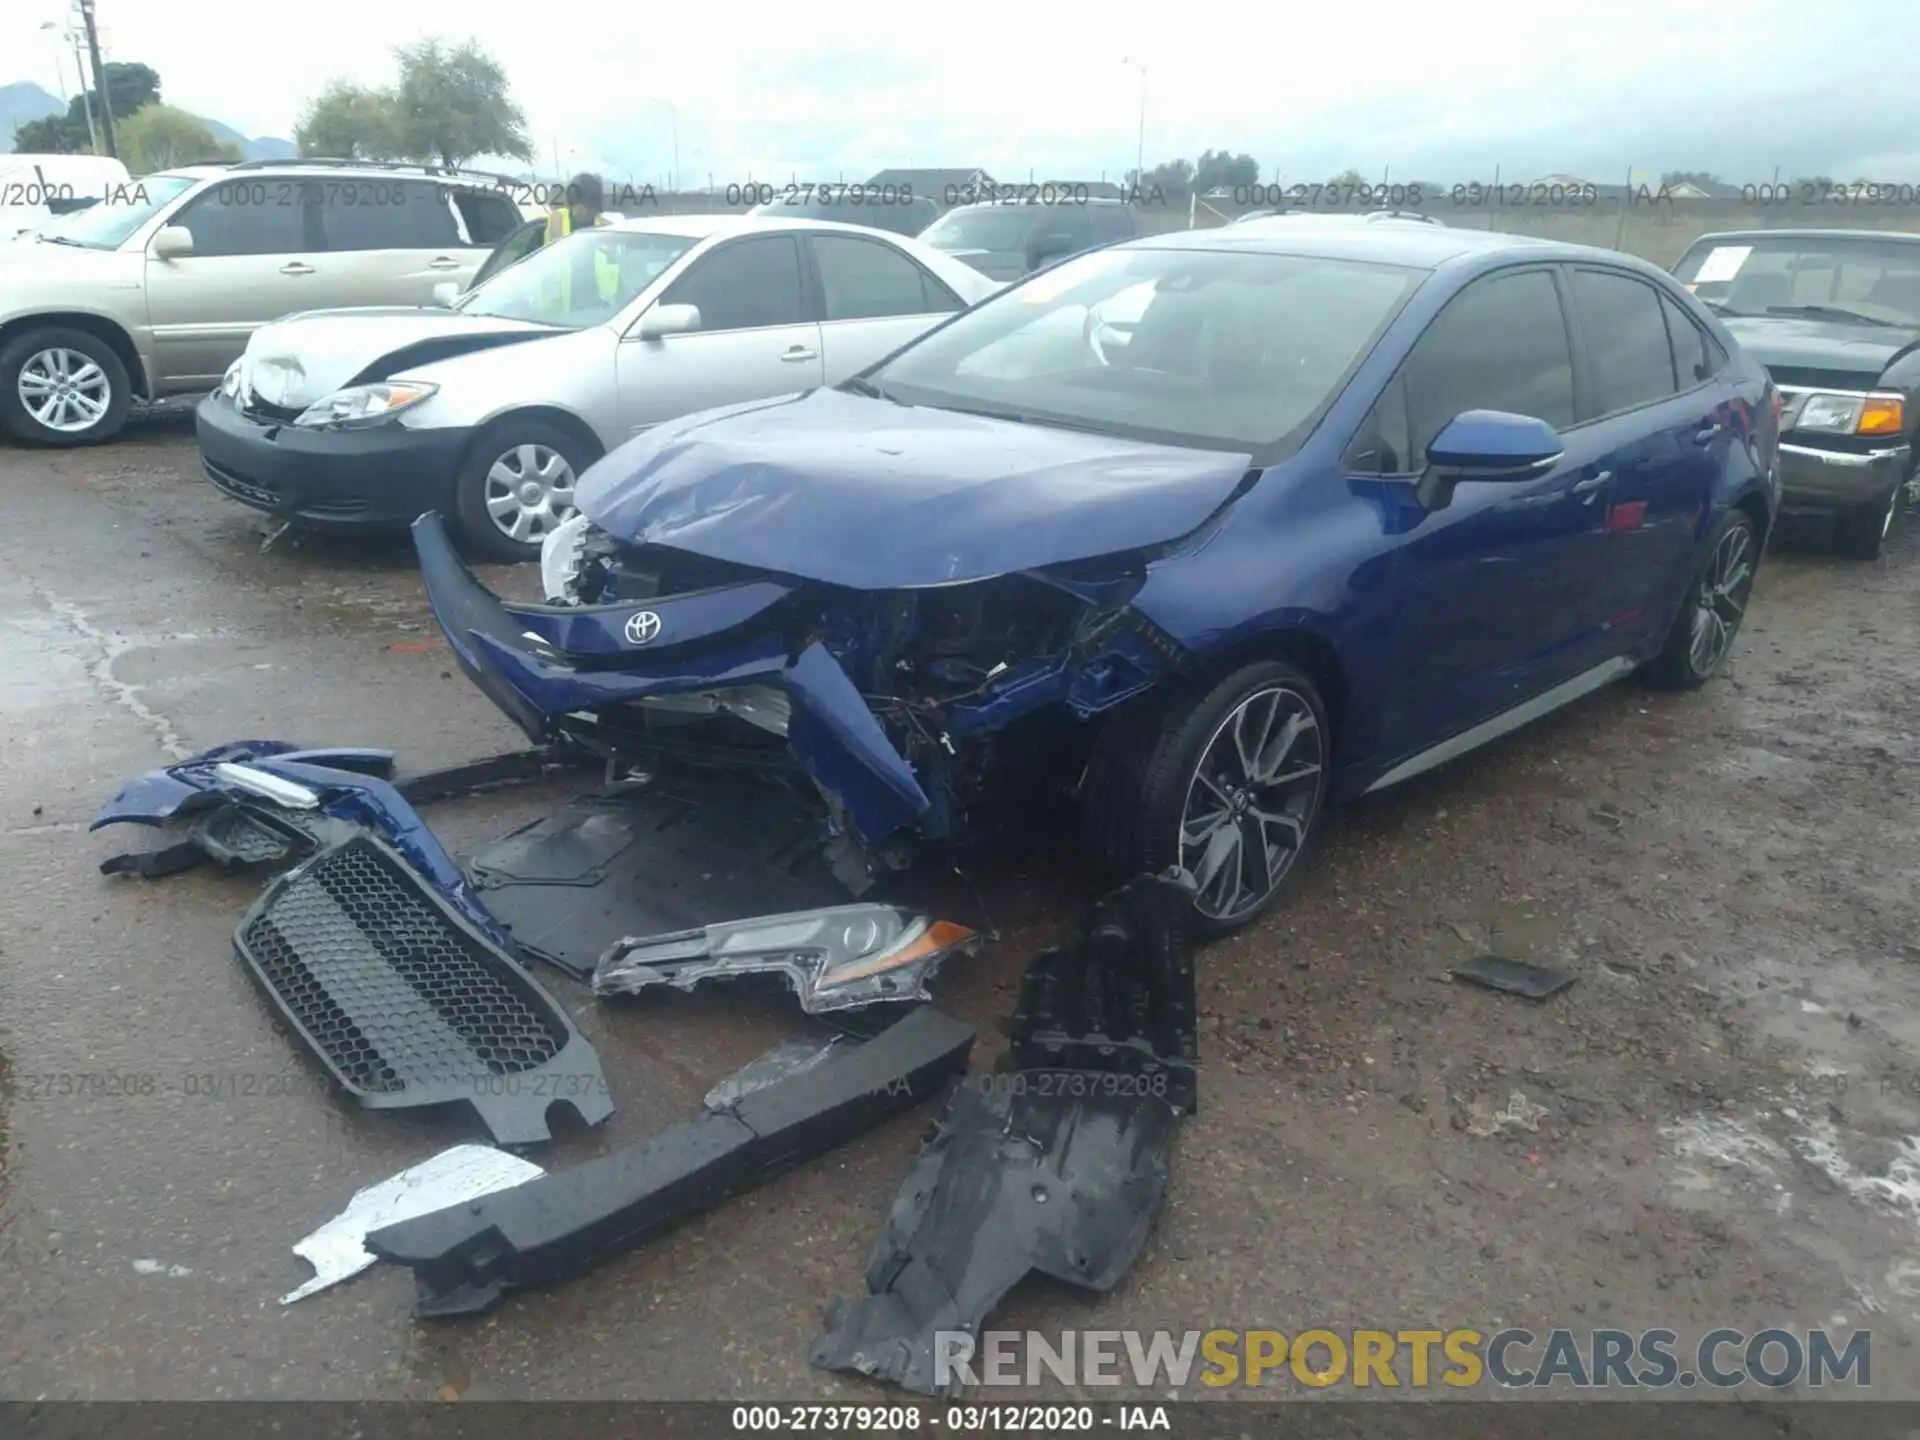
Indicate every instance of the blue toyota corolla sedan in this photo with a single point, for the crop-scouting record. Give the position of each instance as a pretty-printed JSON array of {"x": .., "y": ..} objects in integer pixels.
[{"x": 1203, "y": 531}]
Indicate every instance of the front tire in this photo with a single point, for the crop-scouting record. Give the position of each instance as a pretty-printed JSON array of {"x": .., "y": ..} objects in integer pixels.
[
  {"x": 1226, "y": 783},
  {"x": 62, "y": 387},
  {"x": 1863, "y": 534},
  {"x": 1702, "y": 634},
  {"x": 516, "y": 485}
]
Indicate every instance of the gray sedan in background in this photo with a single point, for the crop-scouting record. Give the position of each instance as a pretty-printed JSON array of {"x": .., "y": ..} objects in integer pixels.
[{"x": 489, "y": 410}]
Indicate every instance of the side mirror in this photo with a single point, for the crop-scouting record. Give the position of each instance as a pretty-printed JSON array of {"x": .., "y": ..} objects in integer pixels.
[
  {"x": 664, "y": 320},
  {"x": 445, "y": 293},
  {"x": 170, "y": 242},
  {"x": 1486, "y": 445}
]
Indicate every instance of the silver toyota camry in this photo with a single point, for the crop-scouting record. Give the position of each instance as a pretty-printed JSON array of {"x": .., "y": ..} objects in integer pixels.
[{"x": 488, "y": 409}]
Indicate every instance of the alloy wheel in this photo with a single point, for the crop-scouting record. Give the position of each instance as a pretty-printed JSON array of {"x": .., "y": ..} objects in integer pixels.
[
  {"x": 1721, "y": 600},
  {"x": 1252, "y": 796},
  {"x": 529, "y": 491},
  {"x": 64, "y": 390}
]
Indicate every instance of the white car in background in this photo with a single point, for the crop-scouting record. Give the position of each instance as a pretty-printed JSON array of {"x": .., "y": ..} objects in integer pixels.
[
  {"x": 488, "y": 410},
  {"x": 37, "y": 188}
]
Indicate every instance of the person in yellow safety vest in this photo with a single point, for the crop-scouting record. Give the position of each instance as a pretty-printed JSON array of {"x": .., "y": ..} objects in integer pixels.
[{"x": 585, "y": 199}]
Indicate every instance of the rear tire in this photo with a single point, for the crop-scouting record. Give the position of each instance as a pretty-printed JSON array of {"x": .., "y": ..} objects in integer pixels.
[
  {"x": 515, "y": 485},
  {"x": 62, "y": 387},
  {"x": 1863, "y": 534},
  {"x": 1703, "y": 632},
  {"x": 1226, "y": 782}
]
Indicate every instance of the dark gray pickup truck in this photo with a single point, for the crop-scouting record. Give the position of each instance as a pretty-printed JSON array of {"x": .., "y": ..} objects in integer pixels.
[{"x": 1834, "y": 315}]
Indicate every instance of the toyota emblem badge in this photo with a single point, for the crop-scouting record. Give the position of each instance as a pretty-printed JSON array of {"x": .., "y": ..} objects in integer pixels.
[{"x": 643, "y": 627}]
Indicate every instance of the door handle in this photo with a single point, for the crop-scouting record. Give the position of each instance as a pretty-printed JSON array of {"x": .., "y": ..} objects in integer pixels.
[
  {"x": 296, "y": 267},
  {"x": 800, "y": 352},
  {"x": 1592, "y": 485},
  {"x": 443, "y": 262},
  {"x": 1705, "y": 434}
]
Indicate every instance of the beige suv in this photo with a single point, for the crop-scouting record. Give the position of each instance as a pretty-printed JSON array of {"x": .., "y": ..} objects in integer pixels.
[{"x": 154, "y": 290}]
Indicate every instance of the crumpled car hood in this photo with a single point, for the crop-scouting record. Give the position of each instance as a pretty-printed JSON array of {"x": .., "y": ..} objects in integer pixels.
[
  {"x": 873, "y": 495},
  {"x": 302, "y": 358}
]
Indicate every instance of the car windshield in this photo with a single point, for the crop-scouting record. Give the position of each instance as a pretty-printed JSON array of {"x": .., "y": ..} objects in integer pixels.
[
  {"x": 994, "y": 227},
  {"x": 583, "y": 280},
  {"x": 1227, "y": 351},
  {"x": 121, "y": 209},
  {"x": 1866, "y": 278}
]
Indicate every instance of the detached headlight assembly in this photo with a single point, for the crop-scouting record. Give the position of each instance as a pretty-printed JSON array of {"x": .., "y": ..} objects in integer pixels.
[
  {"x": 1829, "y": 413},
  {"x": 366, "y": 404},
  {"x": 834, "y": 959}
]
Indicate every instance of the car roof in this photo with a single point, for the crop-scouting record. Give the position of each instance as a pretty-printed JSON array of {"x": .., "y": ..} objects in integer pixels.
[
  {"x": 1038, "y": 204},
  {"x": 698, "y": 227},
  {"x": 1426, "y": 247},
  {"x": 1720, "y": 236}
]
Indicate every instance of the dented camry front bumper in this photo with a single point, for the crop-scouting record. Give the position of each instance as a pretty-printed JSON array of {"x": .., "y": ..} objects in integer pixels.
[{"x": 544, "y": 665}]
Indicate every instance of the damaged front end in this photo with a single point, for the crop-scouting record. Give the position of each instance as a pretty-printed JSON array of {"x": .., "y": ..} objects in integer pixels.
[{"x": 911, "y": 711}]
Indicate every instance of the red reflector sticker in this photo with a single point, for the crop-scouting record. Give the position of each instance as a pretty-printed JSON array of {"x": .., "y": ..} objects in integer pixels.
[{"x": 1627, "y": 517}]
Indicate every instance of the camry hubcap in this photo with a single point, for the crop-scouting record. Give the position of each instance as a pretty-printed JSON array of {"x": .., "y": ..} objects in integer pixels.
[
  {"x": 529, "y": 492},
  {"x": 64, "y": 390},
  {"x": 1250, "y": 801},
  {"x": 1721, "y": 600}
]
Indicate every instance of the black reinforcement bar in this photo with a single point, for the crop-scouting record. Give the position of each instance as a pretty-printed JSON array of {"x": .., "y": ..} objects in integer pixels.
[{"x": 467, "y": 1257}]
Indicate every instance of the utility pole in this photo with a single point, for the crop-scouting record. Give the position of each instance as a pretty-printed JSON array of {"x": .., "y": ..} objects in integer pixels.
[
  {"x": 1140, "y": 154},
  {"x": 99, "y": 77}
]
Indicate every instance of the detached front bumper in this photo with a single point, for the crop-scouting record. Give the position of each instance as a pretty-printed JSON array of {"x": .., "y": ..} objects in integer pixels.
[
  {"x": 543, "y": 663},
  {"x": 383, "y": 475},
  {"x": 1820, "y": 481}
]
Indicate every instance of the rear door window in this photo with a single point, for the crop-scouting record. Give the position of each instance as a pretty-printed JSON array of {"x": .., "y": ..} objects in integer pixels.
[
  {"x": 1695, "y": 355},
  {"x": 1625, "y": 337},
  {"x": 387, "y": 215},
  {"x": 869, "y": 279},
  {"x": 489, "y": 218}
]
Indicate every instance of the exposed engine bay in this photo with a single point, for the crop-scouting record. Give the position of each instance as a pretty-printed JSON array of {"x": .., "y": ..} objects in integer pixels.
[{"x": 984, "y": 688}]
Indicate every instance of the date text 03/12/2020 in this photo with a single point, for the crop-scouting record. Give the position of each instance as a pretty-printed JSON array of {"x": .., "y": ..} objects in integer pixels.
[{"x": 950, "y": 1419}]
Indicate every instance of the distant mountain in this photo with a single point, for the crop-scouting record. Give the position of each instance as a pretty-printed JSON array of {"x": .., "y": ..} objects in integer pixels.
[
  {"x": 267, "y": 147},
  {"x": 23, "y": 102}
]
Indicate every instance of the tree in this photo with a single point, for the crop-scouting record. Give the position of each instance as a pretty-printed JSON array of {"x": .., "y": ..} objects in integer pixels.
[
  {"x": 1169, "y": 177},
  {"x": 1222, "y": 170},
  {"x": 158, "y": 137},
  {"x": 1350, "y": 179},
  {"x": 453, "y": 104},
  {"x": 1701, "y": 179},
  {"x": 352, "y": 122},
  {"x": 51, "y": 136},
  {"x": 130, "y": 86}
]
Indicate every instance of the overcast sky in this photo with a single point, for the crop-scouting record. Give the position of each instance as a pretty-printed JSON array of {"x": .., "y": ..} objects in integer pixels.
[{"x": 830, "y": 88}]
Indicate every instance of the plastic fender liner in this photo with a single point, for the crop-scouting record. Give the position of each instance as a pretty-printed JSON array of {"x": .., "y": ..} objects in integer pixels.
[
  {"x": 466, "y": 1257},
  {"x": 1054, "y": 1161},
  {"x": 407, "y": 1002}
]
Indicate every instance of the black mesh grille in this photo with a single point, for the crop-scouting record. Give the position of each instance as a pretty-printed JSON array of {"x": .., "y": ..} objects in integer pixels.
[{"x": 394, "y": 995}]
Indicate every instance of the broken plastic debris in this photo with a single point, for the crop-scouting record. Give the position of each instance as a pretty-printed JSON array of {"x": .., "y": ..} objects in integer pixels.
[
  {"x": 783, "y": 1062},
  {"x": 1514, "y": 977},
  {"x": 835, "y": 958},
  {"x": 465, "y": 1172},
  {"x": 1520, "y": 1113},
  {"x": 160, "y": 1267}
]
